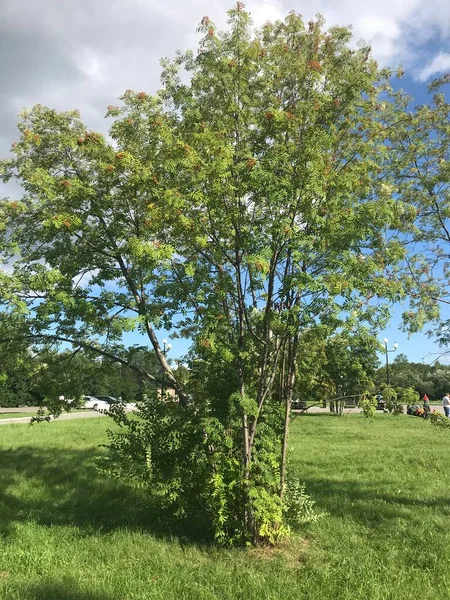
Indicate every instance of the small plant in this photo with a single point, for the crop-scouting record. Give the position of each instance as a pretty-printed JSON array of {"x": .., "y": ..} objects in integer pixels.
[
  {"x": 369, "y": 406},
  {"x": 397, "y": 408},
  {"x": 298, "y": 506},
  {"x": 394, "y": 400},
  {"x": 390, "y": 398}
]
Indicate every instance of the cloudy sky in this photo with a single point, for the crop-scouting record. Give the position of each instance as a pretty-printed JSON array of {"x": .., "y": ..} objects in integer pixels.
[{"x": 84, "y": 54}]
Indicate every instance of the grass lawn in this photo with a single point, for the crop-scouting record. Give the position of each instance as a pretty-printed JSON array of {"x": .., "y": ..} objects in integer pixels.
[
  {"x": 66, "y": 533},
  {"x": 16, "y": 415}
]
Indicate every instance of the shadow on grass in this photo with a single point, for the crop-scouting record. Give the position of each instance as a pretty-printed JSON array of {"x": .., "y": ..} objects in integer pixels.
[
  {"x": 64, "y": 590},
  {"x": 317, "y": 415},
  {"x": 64, "y": 488},
  {"x": 366, "y": 503}
]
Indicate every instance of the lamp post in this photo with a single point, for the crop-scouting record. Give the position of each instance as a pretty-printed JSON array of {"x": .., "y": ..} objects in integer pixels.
[
  {"x": 386, "y": 351},
  {"x": 166, "y": 348}
]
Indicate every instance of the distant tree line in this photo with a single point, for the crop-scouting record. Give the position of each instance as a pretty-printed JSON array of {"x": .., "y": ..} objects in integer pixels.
[
  {"x": 28, "y": 379},
  {"x": 431, "y": 379}
]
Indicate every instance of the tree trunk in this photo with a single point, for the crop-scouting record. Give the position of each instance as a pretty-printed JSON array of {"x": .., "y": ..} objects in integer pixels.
[{"x": 292, "y": 354}]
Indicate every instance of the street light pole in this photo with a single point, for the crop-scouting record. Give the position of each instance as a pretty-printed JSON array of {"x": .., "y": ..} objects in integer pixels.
[
  {"x": 166, "y": 348},
  {"x": 386, "y": 351}
]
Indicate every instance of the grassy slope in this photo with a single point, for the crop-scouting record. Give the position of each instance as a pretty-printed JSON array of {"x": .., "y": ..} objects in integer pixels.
[
  {"x": 68, "y": 534},
  {"x": 16, "y": 415}
]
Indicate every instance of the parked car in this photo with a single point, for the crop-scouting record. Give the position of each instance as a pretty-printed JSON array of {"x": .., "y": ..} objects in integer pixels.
[
  {"x": 90, "y": 401},
  {"x": 109, "y": 399},
  {"x": 96, "y": 403},
  {"x": 104, "y": 403},
  {"x": 298, "y": 404},
  {"x": 102, "y": 406}
]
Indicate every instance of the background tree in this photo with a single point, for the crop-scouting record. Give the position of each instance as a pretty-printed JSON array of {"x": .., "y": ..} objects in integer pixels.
[
  {"x": 19, "y": 374},
  {"x": 343, "y": 364},
  {"x": 351, "y": 363},
  {"x": 431, "y": 379},
  {"x": 420, "y": 160}
]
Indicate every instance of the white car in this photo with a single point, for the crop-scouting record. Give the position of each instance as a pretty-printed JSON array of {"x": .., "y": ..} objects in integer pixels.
[
  {"x": 94, "y": 403},
  {"x": 102, "y": 406}
]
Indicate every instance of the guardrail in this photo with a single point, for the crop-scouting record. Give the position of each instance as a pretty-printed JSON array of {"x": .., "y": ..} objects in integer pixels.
[{"x": 336, "y": 405}]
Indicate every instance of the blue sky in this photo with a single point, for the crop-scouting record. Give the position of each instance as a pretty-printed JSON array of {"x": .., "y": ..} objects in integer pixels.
[{"x": 83, "y": 55}]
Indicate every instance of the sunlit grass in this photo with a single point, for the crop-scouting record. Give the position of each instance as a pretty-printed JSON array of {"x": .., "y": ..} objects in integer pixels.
[
  {"x": 17, "y": 415},
  {"x": 69, "y": 534}
]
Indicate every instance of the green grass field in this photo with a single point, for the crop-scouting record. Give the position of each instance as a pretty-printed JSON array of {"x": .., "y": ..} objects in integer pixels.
[
  {"x": 15, "y": 415},
  {"x": 68, "y": 534}
]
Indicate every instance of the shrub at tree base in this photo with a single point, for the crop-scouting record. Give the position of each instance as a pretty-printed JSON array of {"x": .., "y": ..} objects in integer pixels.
[{"x": 191, "y": 464}]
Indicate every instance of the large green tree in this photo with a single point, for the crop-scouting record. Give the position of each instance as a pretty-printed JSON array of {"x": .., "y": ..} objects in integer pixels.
[
  {"x": 248, "y": 200},
  {"x": 419, "y": 157}
]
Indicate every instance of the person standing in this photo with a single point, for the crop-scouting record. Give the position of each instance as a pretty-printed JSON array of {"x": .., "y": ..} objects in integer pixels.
[
  {"x": 446, "y": 405},
  {"x": 426, "y": 404}
]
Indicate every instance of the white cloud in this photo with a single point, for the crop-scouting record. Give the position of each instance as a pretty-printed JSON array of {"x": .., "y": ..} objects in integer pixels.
[
  {"x": 73, "y": 56},
  {"x": 439, "y": 64},
  {"x": 262, "y": 12},
  {"x": 398, "y": 30},
  {"x": 92, "y": 67}
]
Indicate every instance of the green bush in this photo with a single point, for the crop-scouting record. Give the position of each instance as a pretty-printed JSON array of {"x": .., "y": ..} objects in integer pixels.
[
  {"x": 390, "y": 397},
  {"x": 298, "y": 506},
  {"x": 190, "y": 462},
  {"x": 7, "y": 397},
  {"x": 369, "y": 406},
  {"x": 393, "y": 400}
]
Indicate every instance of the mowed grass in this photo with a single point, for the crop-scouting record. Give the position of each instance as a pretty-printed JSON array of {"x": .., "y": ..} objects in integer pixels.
[
  {"x": 16, "y": 415},
  {"x": 67, "y": 533}
]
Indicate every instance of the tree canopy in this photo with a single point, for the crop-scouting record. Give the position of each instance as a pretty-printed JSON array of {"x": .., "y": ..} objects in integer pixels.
[{"x": 253, "y": 197}]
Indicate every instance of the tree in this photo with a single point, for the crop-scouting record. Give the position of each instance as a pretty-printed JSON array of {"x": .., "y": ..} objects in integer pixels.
[
  {"x": 420, "y": 159},
  {"x": 351, "y": 364},
  {"x": 77, "y": 373},
  {"x": 240, "y": 208},
  {"x": 431, "y": 379},
  {"x": 343, "y": 364},
  {"x": 19, "y": 374},
  {"x": 90, "y": 249}
]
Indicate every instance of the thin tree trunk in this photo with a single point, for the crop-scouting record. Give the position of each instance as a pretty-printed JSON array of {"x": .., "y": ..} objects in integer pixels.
[{"x": 292, "y": 354}]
